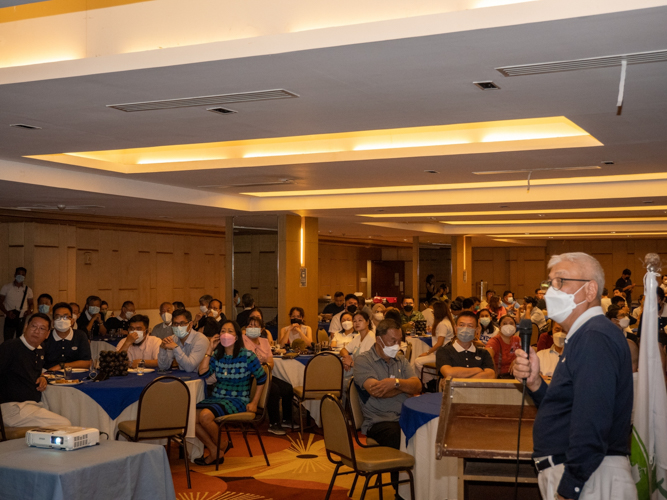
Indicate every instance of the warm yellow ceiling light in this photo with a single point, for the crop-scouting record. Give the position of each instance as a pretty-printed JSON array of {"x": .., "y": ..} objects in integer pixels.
[
  {"x": 643, "y": 208},
  {"x": 440, "y": 140},
  {"x": 573, "y": 235},
  {"x": 505, "y": 222}
]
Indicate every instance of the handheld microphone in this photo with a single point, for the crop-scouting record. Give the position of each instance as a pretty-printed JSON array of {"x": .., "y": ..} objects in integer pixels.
[{"x": 525, "y": 333}]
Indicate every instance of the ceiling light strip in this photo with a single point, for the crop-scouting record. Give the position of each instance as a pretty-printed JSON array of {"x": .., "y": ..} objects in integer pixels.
[
  {"x": 569, "y": 235},
  {"x": 509, "y": 222},
  {"x": 516, "y": 212}
]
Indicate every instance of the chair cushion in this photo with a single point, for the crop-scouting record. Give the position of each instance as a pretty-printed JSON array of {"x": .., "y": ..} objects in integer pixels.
[
  {"x": 129, "y": 427},
  {"x": 298, "y": 392},
  {"x": 245, "y": 416},
  {"x": 371, "y": 442},
  {"x": 430, "y": 365},
  {"x": 17, "y": 432},
  {"x": 381, "y": 458}
]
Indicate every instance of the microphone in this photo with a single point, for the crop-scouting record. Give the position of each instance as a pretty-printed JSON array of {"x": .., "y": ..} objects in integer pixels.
[{"x": 526, "y": 333}]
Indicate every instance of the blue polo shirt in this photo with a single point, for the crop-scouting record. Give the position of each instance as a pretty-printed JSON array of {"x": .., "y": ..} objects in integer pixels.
[{"x": 74, "y": 347}]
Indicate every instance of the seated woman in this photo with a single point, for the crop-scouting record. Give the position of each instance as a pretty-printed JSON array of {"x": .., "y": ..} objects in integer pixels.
[
  {"x": 443, "y": 334},
  {"x": 361, "y": 343},
  {"x": 341, "y": 339},
  {"x": 496, "y": 309},
  {"x": 502, "y": 347},
  {"x": 378, "y": 315},
  {"x": 280, "y": 390},
  {"x": 297, "y": 329},
  {"x": 487, "y": 327},
  {"x": 259, "y": 315},
  {"x": 234, "y": 367}
]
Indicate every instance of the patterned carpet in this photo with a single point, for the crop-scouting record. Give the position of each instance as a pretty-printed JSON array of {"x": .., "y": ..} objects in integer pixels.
[{"x": 299, "y": 469}]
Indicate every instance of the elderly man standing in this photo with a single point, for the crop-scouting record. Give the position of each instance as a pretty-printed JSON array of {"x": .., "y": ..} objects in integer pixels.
[{"x": 581, "y": 432}]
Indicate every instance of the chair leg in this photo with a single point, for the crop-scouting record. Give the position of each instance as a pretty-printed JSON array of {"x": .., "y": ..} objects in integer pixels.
[
  {"x": 229, "y": 438},
  {"x": 301, "y": 419},
  {"x": 354, "y": 485},
  {"x": 363, "y": 491},
  {"x": 187, "y": 460},
  {"x": 217, "y": 453},
  {"x": 245, "y": 437},
  {"x": 412, "y": 484},
  {"x": 261, "y": 443},
  {"x": 379, "y": 485},
  {"x": 333, "y": 480}
]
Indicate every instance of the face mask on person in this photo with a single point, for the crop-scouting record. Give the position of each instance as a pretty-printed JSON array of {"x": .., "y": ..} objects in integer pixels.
[
  {"x": 624, "y": 322},
  {"x": 508, "y": 330},
  {"x": 62, "y": 324},
  {"x": 140, "y": 336},
  {"x": 203, "y": 309},
  {"x": 227, "y": 339},
  {"x": 19, "y": 278},
  {"x": 347, "y": 325},
  {"x": 74, "y": 318},
  {"x": 128, "y": 314},
  {"x": 93, "y": 309},
  {"x": 510, "y": 300},
  {"x": 378, "y": 316},
  {"x": 407, "y": 308},
  {"x": 166, "y": 317},
  {"x": 559, "y": 338},
  {"x": 238, "y": 300},
  {"x": 390, "y": 350},
  {"x": 560, "y": 304},
  {"x": 44, "y": 308},
  {"x": 180, "y": 331},
  {"x": 297, "y": 321},
  {"x": 253, "y": 332},
  {"x": 351, "y": 308},
  {"x": 465, "y": 333},
  {"x": 485, "y": 321},
  {"x": 215, "y": 313}
]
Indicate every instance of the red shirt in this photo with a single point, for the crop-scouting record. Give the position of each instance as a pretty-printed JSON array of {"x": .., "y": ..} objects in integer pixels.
[
  {"x": 545, "y": 341},
  {"x": 507, "y": 350}
]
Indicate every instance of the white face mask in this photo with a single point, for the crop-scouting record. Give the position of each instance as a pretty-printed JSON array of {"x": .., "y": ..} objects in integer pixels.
[
  {"x": 166, "y": 317},
  {"x": 19, "y": 278},
  {"x": 624, "y": 322},
  {"x": 347, "y": 325},
  {"x": 203, "y": 309},
  {"x": 62, "y": 325},
  {"x": 214, "y": 313},
  {"x": 508, "y": 330},
  {"x": 559, "y": 338},
  {"x": 560, "y": 304},
  {"x": 180, "y": 331},
  {"x": 378, "y": 316},
  {"x": 140, "y": 336},
  {"x": 390, "y": 351},
  {"x": 74, "y": 317},
  {"x": 93, "y": 310},
  {"x": 510, "y": 300},
  {"x": 485, "y": 321},
  {"x": 128, "y": 314},
  {"x": 253, "y": 332}
]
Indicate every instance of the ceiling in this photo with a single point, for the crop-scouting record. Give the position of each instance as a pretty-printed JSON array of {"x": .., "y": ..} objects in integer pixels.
[{"x": 412, "y": 82}]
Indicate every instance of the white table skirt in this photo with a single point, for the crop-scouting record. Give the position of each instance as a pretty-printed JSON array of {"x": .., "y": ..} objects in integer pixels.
[
  {"x": 83, "y": 411},
  {"x": 291, "y": 371},
  {"x": 96, "y": 346},
  {"x": 418, "y": 347},
  {"x": 434, "y": 479}
]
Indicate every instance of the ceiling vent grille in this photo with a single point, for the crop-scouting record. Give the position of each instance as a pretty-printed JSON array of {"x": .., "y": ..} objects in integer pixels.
[
  {"x": 210, "y": 100},
  {"x": 222, "y": 111},
  {"x": 23, "y": 125},
  {"x": 589, "y": 63}
]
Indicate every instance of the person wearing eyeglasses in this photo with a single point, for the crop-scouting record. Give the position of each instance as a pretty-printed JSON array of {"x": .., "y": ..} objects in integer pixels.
[
  {"x": 21, "y": 362},
  {"x": 581, "y": 432},
  {"x": 186, "y": 347},
  {"x": 65, "y": 347}
]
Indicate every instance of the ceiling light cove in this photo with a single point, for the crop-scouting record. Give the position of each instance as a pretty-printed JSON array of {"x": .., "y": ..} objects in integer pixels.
[
  {"x": 510, "y": 222},
  {"x": 440, "y": 140}
]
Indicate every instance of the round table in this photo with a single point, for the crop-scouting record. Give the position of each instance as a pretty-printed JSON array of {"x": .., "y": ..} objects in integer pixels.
[
  {"x": 419, "y": 345},
  {"x": 434, "y": 479},
  {"x": 98, "y": 344}
]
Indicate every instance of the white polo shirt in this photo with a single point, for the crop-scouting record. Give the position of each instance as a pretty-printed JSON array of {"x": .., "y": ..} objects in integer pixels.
[
  {"x": 548, "y": 361},
  {"x": 14, "y": 295}
]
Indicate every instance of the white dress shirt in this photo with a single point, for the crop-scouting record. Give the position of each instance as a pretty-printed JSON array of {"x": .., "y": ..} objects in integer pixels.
[{"x": 148, "y": 349}]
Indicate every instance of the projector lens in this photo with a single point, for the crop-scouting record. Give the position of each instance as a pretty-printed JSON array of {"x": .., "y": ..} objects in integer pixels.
[{"x": 56, "y": 440}]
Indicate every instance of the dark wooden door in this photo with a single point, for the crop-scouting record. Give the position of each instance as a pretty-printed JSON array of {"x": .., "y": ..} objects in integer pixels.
[{"x": 388, "y": 278}]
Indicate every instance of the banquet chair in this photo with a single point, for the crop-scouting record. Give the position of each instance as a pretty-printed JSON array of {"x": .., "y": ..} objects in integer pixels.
[
  {"x": 535, "y": 336},
  {"x": 7, "y": 433},
  {"x": 408, "y": 351},
  {"x": 323, "y": 375},
  {"x": 153, "y": 422},
  {"x": 356, "y": 415},
  {"x": 429, "y": 368},
  {"x": 247, "y": 419},
  {"x": 322, "y": 335},
  {"x": 367, "y": 462}
]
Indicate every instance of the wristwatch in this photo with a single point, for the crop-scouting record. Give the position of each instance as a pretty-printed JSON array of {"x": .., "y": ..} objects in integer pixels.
[{"x": 397, "y": 384}]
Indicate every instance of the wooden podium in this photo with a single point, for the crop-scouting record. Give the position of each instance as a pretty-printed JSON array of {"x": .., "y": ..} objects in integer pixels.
[{"x": 478, "y": 424}]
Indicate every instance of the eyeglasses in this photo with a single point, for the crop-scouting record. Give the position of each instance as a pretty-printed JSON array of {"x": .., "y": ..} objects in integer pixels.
[
  {"x": 63, "y": 317},
  {"x": 40, "y": 329},
  {"x": 186, "y": 323},
  {"x": 557, "y": 283}
]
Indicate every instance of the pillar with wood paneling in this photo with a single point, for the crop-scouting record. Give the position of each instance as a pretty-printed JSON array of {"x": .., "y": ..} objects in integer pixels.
[
  {"x": 293, "y": 246},
  {"x": 461, "y": 266},
  {"x": 415, "y": 270},
  {"x": 230, "y": 306}
]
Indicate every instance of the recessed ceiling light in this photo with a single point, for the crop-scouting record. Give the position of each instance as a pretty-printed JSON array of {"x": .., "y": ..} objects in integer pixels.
[
  {"x": 607, "y": 162},
  {"x": 648, "y": 201},
  {"x": 431, "y": 171},
  {"x": 222, "y": 111},
  {"x": 487, "y": 85},
  {"x": 23, "y": 125},
  {"x": 613, "y": 232},
  {"x": 540, "y": 215},
  {"x": 380, "y": 210}
]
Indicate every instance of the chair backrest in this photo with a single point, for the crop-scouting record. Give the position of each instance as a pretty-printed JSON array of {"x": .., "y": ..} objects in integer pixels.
[
  {"x": 408, "y": 352},
  {"x": 3, "y": 434},
  {"x": 267, "y": 387},
  {"x": 354, "y": 405},
  {"x": 535, "y": 335},
  {"x": 337, "y": 437},
  {"x": 324, "y": 373},
  {"x": 322, "y": 335},
  {"x": 164, "y": 404}
]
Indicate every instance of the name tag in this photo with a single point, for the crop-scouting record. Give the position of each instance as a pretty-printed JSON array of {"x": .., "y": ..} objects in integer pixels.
[
  {"x": 478, "y": 358},
  {"x": 74, "y": 348},
  {"x": 562, "y": 360},
  {"x": 41, "y": 357}
]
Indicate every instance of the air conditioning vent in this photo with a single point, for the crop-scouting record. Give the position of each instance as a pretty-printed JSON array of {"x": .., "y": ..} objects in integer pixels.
[
  {"x": 487, "y": 85},
  {"x": 211, "y": 100},
  {"x": 588, "y": 63},
  {"x": 23, "y": 125},
  {"x": 222, "y": 111}
]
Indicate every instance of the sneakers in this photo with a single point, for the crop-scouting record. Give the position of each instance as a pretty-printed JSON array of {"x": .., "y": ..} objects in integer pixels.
[
  {"x": 287, "y": 424},
  {"x": 277, "y": 430}
]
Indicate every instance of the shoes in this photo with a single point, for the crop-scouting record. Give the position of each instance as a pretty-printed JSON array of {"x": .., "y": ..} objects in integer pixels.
[
  {"x": 286, "y": 424},
  {"x": 202, "y": 461},
  {"x": 277, "y": 430}
]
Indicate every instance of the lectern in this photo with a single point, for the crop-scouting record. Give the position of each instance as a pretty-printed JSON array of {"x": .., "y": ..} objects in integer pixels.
[{"x": 479, "y": 425}]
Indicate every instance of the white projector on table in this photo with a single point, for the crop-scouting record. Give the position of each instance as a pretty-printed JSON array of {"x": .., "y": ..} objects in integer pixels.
[{"x": 62, "y": 438}]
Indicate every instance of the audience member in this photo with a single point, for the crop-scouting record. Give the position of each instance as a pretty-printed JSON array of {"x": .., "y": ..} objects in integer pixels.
[
  {"x": 16, "y": 302},
  {"x": 637, "y": 311},
  {"x": 549, "y": 357},
  {"x": 21, "y": 363},
  {"x": 502, "y": 347},
  {"x": 619, "y": 316},
  {"x": 351, "y": 306},
  {"x": 344, "y": 337},
  {"x": 508, "y": 302},
  {"x": 487, "y": 327},
  {"x": 178, "y": 305},
  {"x": 121, "y": 323},
  {"x": 204, "y": 301},
  {"x": 215, "y": 311},
  {"x": 360, "y": 343},
  {"x": 378, "y": 315},
  {"x": 428, "y": 312},
  {"x": 186, "y": 346},
  {"x": 534, "y": 313},
  {"x": 258, "y": 315},
  {"x": 65, "y": 347},
  {"x": 211, "y": 327},
  {"x": 461, "y": 358},
  {"x": 487, "y": 298},
  {"x": 430, "y": 287},
  {"x": 91, "y": 320},
  {"x": 496, "y": 309},
  {"x": 362, "y": 304},
  {"x": 546, "y": 340},
  {"x": 468, "y": 304},
  {"x": 539, "y": 295},
  {"x": 297, "y": 328},
  {"x": 624, "y": 283},
  {"x": 76, "y": 312},
  {"x": 335, "y": 307},
  {"x": 663, "y": 285},
  {"x": 443, "y": 334},
  {"x": 163, "y": 330},
  {"x": 104, "y": 309},
  {"x": 44, "y": 303},
  {"x": 248, "y": 302},
  {"x": 605, "y": 301},
  {"x": 139, "y": 344},
  {"x": 441, "y": 293}
]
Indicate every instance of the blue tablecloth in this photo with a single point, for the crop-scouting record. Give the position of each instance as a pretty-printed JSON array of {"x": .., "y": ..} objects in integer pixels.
[
  {"x": 418, "y": 411},
  {"x": 114, "y": 341},
  {"x": 427, "y": 340},
  {"x": 117, "y": 393},
  {"x": 303, "y": 359}
]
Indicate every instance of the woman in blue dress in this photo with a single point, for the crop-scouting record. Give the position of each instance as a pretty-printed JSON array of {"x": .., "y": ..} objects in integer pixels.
[{"x": 234, "y": 368}]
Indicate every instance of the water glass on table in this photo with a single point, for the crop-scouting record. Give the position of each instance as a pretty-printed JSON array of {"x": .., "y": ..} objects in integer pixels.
[
  {"x": 68, "y": 373},
  {"x": 140, "y": 367}
]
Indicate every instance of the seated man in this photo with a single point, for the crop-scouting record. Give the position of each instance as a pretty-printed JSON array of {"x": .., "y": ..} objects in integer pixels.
[
  {"x": 91, "y": 320},
  {"x": 385, "y": 381},
  {"x": 44, "y": 303},
  {"x": 121, "y": 322},
  {"x": 163, "y": 330},
  {"x": 248, "y": 305},
  {"x": 21, "y": 362},
  {"x": 65, "y": 347},
  {"x": 460, "y": 358},
  {"x": 549, "y": 357},
  {"x": 201, "y": 316},
  {"x": 335, "y": 307},
  {"x": 351, "y": 306},
  {"x": 139, "y": 344},
  {"x": 408, "y": 314},
  {"x": 186, "y": 346}
]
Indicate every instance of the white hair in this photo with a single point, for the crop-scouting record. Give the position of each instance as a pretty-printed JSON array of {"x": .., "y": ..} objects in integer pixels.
[{"x": 588, "y": 265}]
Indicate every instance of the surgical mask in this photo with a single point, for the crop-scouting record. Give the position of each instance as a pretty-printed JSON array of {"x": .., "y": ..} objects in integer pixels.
[
  {"x": 253, "y": 333},
  {"x": 140, "y": 336},
  {"x": 352, "y": 308},
  {"x": 238, "y": 300},
  {"x": 485, "y": 321},
  {"x": 623, "y": 322},
  {"x": 297, "y": 321},
  {"x": 559, "y": 338},
  {"x": 215, "y": 313},
  {"x": 227, "y": 339},
  {"x": 62, "y": 324},
  {"x": 19, "y": 278},
  {"x": 74, "y": 318},
  {"x": 203, "y": 309},
  {"x": 407, "y": 309},
  {"x": 347, "y": 325},
  {"x": 390, "y": 350},
  {"x": 508, "y": 330},
  {"x": 44, "y": 308},
  {"x": 465, "y": 333},
  {"x": 180, "y": 331},
  {"x": 166, "y": 317},
  {"x": 378, "y": 316},
  {"x": 510, "y": 300},
  {"x": 129, "y": 314},
  {"x": 93, "y": 309},
  {"x": 560, "y": 304}
]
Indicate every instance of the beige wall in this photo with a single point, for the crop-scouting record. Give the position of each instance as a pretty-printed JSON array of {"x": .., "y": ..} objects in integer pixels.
[
  {"x": 256, "y": 269},
  {"x": 341, "y": 267}
]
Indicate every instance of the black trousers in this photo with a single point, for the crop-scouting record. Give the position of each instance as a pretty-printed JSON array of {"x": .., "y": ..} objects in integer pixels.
[
  {"x": 13, "y": 327},
  {"x": 387, "y": 434},
  {"x": 280, "y": 391}
]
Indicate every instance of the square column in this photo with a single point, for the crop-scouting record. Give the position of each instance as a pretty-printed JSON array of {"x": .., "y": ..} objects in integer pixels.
[{"x": 461, "y": 266}]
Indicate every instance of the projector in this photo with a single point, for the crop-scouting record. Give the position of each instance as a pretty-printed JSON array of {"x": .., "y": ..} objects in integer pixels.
[{"x": 62, "y": 438}]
